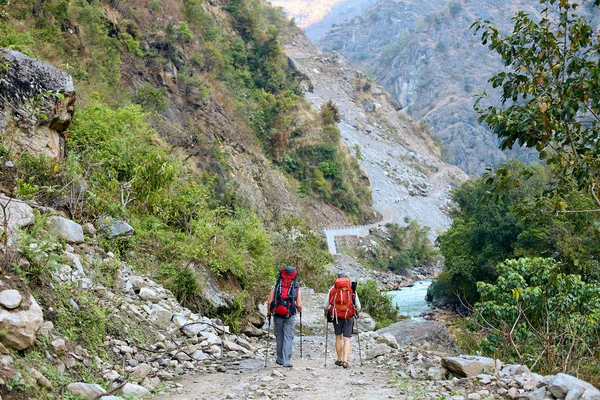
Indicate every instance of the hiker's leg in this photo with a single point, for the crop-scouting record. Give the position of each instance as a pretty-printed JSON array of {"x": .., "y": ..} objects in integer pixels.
[
  {"x": 338, "y": 347},
  {"x": 346, "y": 348},
  {"x": 348, "y": 325},
  {"x": 279, "y": 336},
  {"x": 288, "y": 339}
]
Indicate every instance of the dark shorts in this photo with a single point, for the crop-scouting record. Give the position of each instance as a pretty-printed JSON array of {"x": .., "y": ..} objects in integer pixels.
[{"x": 343, "y": 326}]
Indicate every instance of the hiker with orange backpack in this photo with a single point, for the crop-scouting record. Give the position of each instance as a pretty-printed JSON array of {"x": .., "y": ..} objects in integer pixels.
[
  {"x": 341, "y": 307},
  {"x": 284, "y": 301}
]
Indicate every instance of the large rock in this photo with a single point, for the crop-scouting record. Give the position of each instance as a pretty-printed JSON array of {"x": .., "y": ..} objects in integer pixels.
[
  {"x": 68, "y": 230},
  {"x": 21, "y": 325},
  {"x": 563, "y": 386},
  {"x": 89, "y": 391},
  {"x": 114, "y": 228},
  {"x": 18, "y": 214},
  {"x": 37, "y": 103},
  {"x": 468, "y": 366},
  {"x": 432, "y": 335}
]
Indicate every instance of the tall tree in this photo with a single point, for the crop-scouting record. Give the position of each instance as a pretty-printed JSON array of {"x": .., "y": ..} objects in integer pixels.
[{"x": 550, "y": 93}]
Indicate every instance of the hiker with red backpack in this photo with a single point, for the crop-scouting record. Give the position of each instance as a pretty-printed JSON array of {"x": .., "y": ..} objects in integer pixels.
[
  {"x": 341, "y": 307},
  {"x": 284, "y": 301}
]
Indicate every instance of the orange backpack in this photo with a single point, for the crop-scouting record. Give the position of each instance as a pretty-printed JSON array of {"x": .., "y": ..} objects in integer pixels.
[{"x": 341, "y": 300}]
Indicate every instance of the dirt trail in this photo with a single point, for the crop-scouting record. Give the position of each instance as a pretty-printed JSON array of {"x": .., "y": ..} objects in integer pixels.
[{"x": 308, "y": 379}]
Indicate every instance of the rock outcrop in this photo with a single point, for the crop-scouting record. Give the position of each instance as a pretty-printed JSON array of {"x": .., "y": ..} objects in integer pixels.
[{"x": 36, "y": 104}]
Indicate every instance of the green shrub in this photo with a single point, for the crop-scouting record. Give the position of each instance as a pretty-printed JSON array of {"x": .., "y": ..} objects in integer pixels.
[
  {"x": 379, "y": 305},
  {"x": 536, "y": 315},
  {"x": 151, "y": 98}
]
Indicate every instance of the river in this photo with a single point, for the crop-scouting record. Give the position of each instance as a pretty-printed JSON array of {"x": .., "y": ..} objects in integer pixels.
[{"x": 411, "y": 300}]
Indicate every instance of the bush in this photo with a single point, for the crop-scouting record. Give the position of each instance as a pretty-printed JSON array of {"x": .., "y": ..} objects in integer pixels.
[
  {"x": 536, "y": 315},
  {"x": 378, "y": 305}
]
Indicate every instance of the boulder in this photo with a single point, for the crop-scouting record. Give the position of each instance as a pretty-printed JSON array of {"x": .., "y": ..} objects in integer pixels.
[
  {"x": 115, "y": 228},
  {"x": 378, "y": 351},
  {"x": 388, "y": 339},
  {"x": 433, "y": 335},
  {"x": 136, "y": 391},
  {"x": 567, "y": 386},
  {"x": 87, "y": 390},
  {"x": 19, "y": 214},
  {"x": 38, "y": 129},
  {"x": 468, "y": 366},
  {"x": 149, "y": 295},
  {"x": 68, "y": 230},
  {"x": 365, "y": 322},
  {"x": 19, "y": 326}
]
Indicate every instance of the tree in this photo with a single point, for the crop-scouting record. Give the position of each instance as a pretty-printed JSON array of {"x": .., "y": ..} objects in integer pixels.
[{"x": 550, "y": 93}]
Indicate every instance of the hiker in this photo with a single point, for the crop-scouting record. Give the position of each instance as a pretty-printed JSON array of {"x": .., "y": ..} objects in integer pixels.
[
  {"x": 284, "y": 301},
  {"x": 341, "y": 307}
]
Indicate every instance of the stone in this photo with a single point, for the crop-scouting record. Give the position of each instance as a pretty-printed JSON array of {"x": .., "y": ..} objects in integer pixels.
[
  {"x": 21, "y": 326},
  {"x": 377, "y": 351},
  {"x": 27, "y": 78},
  {"x": 388, "y": 339},
  {"x": 114, "y": 228},
  {"x": 68, "y": 230},
  {"x": 10, "y": 299},
  {"x": 135, "y": 390},
  {"x": 46, "y": 329},
  {"x": 199, "y": 355},
  {"x": 515, "y": 369},
  {"x": 474, "y": 396},
  {"x": 561, "y": 385},
  {"x": 365, "y": 323},
  {"x": 236, "y": 347},
  {"x": 19, "y": 214},
  {"x": 111, "y": 398},
  {"x": 88, "y": 229},
  {"x": 160, "y": 316},
  {"x": 149, "y": 295},
  {"x": 89, "y": 391},
  {"x": 538, "y": 394},
  {"x": 436, "y": 373},
  {"x": 137, "y": 282},
  {"x": 141, "y": 372},
  {"x": 59, "y": 346},
  {"x": 251, "y": 331},
  {"x": 40, "y": 379},
  {"x": 468, "y": 366}
]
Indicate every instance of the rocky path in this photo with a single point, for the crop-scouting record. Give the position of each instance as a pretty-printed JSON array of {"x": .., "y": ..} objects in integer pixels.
[{"x": 308, "y": 379}]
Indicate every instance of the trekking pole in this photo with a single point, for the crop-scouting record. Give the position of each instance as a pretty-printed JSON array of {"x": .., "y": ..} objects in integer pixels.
[
  {"x": 326, "y": 332},
  {"x": 267, "y": 350},
  {"x": 358, "y": 336},
  {"x": 301, "y": 334}
]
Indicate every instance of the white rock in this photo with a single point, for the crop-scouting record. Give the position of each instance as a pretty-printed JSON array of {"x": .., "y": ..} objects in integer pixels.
[
  {"x": 468, "y": 366},
  {"x": 21, "y": 326},
  {"x": 561, "y": 385},
  {"x": 149, "y": 295},
  {"x": 388, "y": 339},
  {"x": 68, "y": 230},
  {"x": 19, "y": 214},
  {"x": 87, "y": 390},
  {"x": 199, "y": 355},
  {"x": 10, "y": 299},
  {"x": 135, "y": 390}
]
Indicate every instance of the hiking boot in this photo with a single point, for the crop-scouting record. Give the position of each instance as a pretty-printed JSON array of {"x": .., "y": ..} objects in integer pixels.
[
  {"x": 339, "y": 363},
  {"x": 288, "y": 366},
  {"x": 345, "y": 364}
]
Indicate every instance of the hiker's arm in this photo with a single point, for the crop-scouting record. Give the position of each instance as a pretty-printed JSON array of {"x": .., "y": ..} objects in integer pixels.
[
  {"x": 326, "y": 303},
  {"x": 299, "y": 301},
  {"x": 357, "y": 303}
]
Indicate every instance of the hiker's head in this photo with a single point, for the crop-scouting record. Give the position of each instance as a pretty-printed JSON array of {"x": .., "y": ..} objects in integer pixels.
[
  {"x": 343, "y": 274},
  {"x": 289, "y": 269}
]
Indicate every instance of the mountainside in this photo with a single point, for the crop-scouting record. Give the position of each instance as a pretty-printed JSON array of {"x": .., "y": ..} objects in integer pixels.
[
  {"x": 424, "y": 53},
  {"x": 407, "y": 177},
  {"x": 317, "y": 17}
]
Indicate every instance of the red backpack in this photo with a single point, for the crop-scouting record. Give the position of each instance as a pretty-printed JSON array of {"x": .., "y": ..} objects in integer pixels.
[
  {"x": 341, "y": 300},
  {"x": 286, "y": 293}
]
